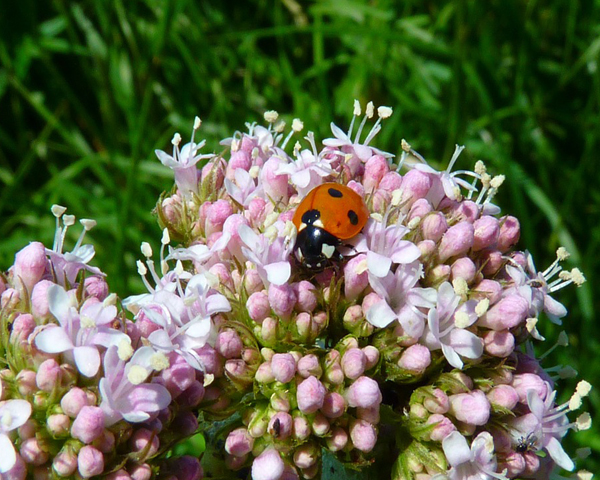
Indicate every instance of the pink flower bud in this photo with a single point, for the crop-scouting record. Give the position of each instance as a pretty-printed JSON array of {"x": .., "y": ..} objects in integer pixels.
[
  {"x": 439, "y": 403},
  {"x": 301, "y": 427},
  {"x": 268, "y": 330},
  {"x": 28, "y": 429},
  {"x": 353, "y": 317},
  {"x": 464, "y": 268},
  {"x": 532, "y": 466},
  {"x": 510, "y": 231},
  {"x": 65, "y": 462},
  {"x": 334, "y": 405},
  {"x": 337, "y": 440},
  {"x": 264, "y": 374},
  {"x": 90, "y": 462},
  {"x": 32, "y": 452},
  {"x": 10, "y": 298},
  {"x": 280, "y": 401},
  {"x": 283, "y": 366},
  {"x": 443, "y": 427},
  {"x": 370, "y": 414},
  {"x": 22, "y": 327},
  {"x": 421, "y": 208},
  {"x": 257, "y": 211},
  {"x": 354, "y": 363},
  {"x": 30, "y": 264},
  {"x": 236, "y": 368},
  {"x": 427, "y": 248},
  {"x": 356, "y": 277},
  {"x": 371, "y": 356},
  {"x": 439, "y": 274},
  {"x": 178, "y": 376},
  {"x": 275, "y": 186},
  {"x": 434, "y": 226},
  {"x": 184, "y": 468},
  {"x": 73, "y": 401},
  {"x": 268, "y": 465},
  {"x": 310, "y": 395},
  {"x": 17, "y": 472},
  {"x": 391, "y": 181},
  {"x": 58, "y": 424},
  {"x": 282, "y": 299},
  {"x": 306, "y": 298},
  {"x": 26, "y": 382},
  {"x": 258, "y": 306},
  {"x": 415, "y": 359},
  {"x": 191, "y": 396},
  {"x": 487, "y": 229},
  {"x": 457, "y": 240},
  {"x": 306, "y": 455},
  {"x": 507, "y": 313},
  {"x": 229, "y": 344},
  {"x": 504, "y": 396},
  {"x": 140, "y": 472},
  {"x": 144, "y": 440},
  {"x": 96, "y": 286},
  {"x": 466, "y": 210},
  {"x": 415, "y": 185},
  {"x": 375, "y": 169},
  {"x": 216, "y": 215},
  {"x": 499, "y": 343},
  {"x": 364, "y": 392},
  {"x": 309, "y": 365},
  {"x": 39, "y": 300},
  {"x": 280, "y": 425},
  {"x": 523, "y": 382},
  {"x": 222, "y": 272},
  {"x": 48, "y": 375},
  {"x": 118, "y": 475},
  {"x": 216, "y": 170},
  {"x": 471, "y": 408},
  {"x": 492, "y": 261},
  {"x": 363, "y": 435},
  {"x": 514, "y": 463},
  {"x": 89, "y": 424},
  {"x": 370, "y": 300},
  {"x": 239, "y": 159},
  {"x": 490, "y": 289},
  {"x": 239, "y": 442},
  {"x": 106, "y": 442}
]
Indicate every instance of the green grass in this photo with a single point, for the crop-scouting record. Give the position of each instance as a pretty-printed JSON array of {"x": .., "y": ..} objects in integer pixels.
[{"x": 89, "y": 89}]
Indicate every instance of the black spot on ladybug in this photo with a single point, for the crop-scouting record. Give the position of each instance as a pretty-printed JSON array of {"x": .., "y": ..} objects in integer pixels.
[
  {"x": 353, "y": 217},
  {"x": 310, "y": 216},
  {"x": 334, "y": 192}
]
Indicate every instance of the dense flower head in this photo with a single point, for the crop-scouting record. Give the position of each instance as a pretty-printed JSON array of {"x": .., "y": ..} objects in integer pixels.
[{"x": 420, "y": 331}]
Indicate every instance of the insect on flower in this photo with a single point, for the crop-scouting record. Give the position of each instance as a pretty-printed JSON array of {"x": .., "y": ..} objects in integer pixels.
[
  {"x": 526, "y": 443},
  {"x": 327, "y": 215}
]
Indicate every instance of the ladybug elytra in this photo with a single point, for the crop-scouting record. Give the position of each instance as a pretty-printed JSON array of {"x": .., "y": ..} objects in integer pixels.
[{"x": 327, "y": 215}]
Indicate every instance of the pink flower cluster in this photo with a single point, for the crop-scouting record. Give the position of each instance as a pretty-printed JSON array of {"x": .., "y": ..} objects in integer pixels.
[{"x": 422, "y": 334}]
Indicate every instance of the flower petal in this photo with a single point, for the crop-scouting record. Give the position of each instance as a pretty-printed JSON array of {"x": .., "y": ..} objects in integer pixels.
[
  {"x": 452, "y": 356},
  {"x": 380, "y": 314},
  {"x": 8, "y": 457},
  {"x": 466, "y": 343},
  {"x": 378, "y": 264},
  {"x": 279, "y": 272},
  {"x": 558, "y": 454},
  {"x": 456, "y": 449},
  {"x": 19, "y": 412},
  {"x": 87, "y": 360},
  {"x": 53, "y": 340}
]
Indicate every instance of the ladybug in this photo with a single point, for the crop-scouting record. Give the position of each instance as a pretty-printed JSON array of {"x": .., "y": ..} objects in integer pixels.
[{"x": 327, "y": 215}]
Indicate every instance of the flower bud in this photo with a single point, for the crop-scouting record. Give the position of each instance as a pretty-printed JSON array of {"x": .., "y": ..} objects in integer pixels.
[
  {"x": 216, "y": 215},
  {"x": 439, "y": 403},
  {"x": 268, "y": 465},
  {"x": 509, "y": 312},
  {"x": 371, "y": 355},
  {"x": 333, "y": 372},
  {"x": 73, "y": 401},
  {"x": 178, "y": 376},
  {"x": 420, "y": 209},
  {"x": 120, "y": 474},
  {"x": 282, "y": 299},
  {"x": 415, "y": 359},
  {"x": 240, "y": 159},
  {"x": 514, "y": 463},
  {"x": 280, "y": 401},
  {"x": 96, "y": 286},
  {"x": 504, "y": 396},
  {"x": 337, "y": 440},
  {"x": 334, "y": 405},
  {"x": 144, "y": 440},
  {"x": 140, "y": 472},
  {"x": 510, "y": 231},
  {"x": 65, "y": 462},
  {"x": 363, "y": 435},
  {"x": 106, "y": 441},
  {"x": 532, "y": 465},
  {"x": 306, "y": 455},
  {"x": 48, "y": 375},
  {"x": 26, "y": 383},
  {"x": 391, "y": 181},
  {"x": 370, "y": 414},
  {"x": 22, "y": 326},
  {"x": 268, "y": 331},
  {"x": 499, "y": 343},
  {"x": 58, "y": 424},
  {"x": 264, "y": 374},
  {"x": 309, "y": 365},
  {"x": 283, "y": 366},
  {"x": 39, "y": 300},
  {"x": 90, "y": 461},
  {"x": 239, "y": 442},
  {"x": 280, "y": 425},
  {"x": 356, "y": 276},
  {"x": 490, "y": 289},
  {"x": 487, "y": 229},
  {"x": 523, "y": 382},
  {"x": 364, "y": 392},
  {"x": 89, "y": 424},
  {"x": 28, "y": 429},
  {"x": 434, "y": 226},
  {"x": 466, "y": 210},
  {"x": 192, "y": 396},
  {"x": 184, "y": 468},
  {"x": 457, "y": 240},
  {"x": 464, "y": 268},
  {"x": 229, "y": 343},
  {"x": 375, "y": 169},
  {"x": 438, "y": 274},
  {"x": 305, "y": 295},
  {"x": 30, "y": 264},
  {"x": 415, "y": 185},
  {"x": 310, "y": 395},
  {"x": 471, "y": 408},
  {"x": 18, "y": 471},
  {"x": 443, "y": 427},
  {"x": 354, "y": 363},
  {"x": 10, "y": 298},
  {"x": 33, "y": 452}
]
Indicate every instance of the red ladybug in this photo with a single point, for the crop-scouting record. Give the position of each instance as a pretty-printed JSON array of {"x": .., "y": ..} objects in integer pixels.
[{"x": 329, "y": 214}]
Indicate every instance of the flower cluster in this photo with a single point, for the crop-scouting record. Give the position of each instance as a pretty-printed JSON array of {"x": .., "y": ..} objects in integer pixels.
[{"x": 420, "y": 334}]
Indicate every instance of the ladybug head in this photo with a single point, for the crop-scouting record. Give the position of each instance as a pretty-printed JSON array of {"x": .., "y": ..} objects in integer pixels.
[{"x": 316, "y": 248}]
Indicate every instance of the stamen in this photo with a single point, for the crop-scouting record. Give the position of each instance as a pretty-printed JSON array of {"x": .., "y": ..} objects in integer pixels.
[
  {"x": 271, "y": 116},
  {"x": 563, "y": 341},
  {"x": 482, "y": 307},
  {"x": 583, "y": 388},
  {"x": 176, "y": 140},
  {"x": 584, "y": 421},
  {"x": 146, "y": 250}
]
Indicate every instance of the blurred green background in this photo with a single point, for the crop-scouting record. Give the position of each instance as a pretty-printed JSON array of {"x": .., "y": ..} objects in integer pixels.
[{"x": 89, "y": 89}]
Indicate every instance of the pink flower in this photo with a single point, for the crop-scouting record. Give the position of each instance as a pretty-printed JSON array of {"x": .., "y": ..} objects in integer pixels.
[
  {"x": 268, "y": 465},
  {"x": 310, "y": 395},
  {"x": 30, "y": 265}
]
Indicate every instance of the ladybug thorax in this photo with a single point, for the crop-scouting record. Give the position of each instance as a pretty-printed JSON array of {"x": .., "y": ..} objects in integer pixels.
[{"x": 315, "y": 247}]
